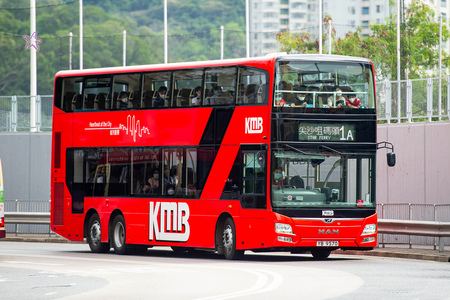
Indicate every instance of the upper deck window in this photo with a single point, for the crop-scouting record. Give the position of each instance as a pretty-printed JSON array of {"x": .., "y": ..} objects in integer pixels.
[
  {"x": 324, "y": 84},
  {"x": 220, "y": 86},
  {"x": 217, "y": 86}
]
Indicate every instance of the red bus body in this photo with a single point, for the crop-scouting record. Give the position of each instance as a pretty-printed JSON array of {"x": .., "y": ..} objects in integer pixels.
[{"x": 198, "y": 221}]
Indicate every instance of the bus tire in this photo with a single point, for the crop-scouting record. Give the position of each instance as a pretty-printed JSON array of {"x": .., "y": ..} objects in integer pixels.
[
  {"x": 94, "y": 236},
  {"x": 320, "y": 253},
  {"x": 118, "y": 236},
  {"x": 229, "y": 240}
]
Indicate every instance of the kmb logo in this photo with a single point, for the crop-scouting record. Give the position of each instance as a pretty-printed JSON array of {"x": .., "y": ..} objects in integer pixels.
[
  {"x": 172, "y": 218},
  {"x": 254, "y": 125}
]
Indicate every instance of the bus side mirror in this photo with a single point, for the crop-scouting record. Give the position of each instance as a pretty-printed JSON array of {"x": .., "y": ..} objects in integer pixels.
[{"x": 390, "y": 159}]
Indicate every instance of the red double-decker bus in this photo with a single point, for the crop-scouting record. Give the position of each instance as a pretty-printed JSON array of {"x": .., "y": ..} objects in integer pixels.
[{"x": 261, "y": 154}]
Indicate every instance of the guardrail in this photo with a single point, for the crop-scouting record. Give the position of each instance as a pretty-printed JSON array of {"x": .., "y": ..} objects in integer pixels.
[
  {"x": 385, "y": 226},
  {"x": 421, "y": 228},
  {"x": 38, "y": 218}
]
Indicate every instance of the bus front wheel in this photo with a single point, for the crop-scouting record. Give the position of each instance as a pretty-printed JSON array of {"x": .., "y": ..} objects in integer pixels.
[
  {"x": 229, "y": 241},
  {"x": 320, "y": 253},
  {"x": 119, "y": 235},
  {"x": 95, "y": 234}
]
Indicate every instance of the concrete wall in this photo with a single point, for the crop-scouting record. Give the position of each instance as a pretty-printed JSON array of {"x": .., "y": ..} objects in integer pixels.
[
  {"x": 422, "y": 173},
  {"x": 421, "y": 176},
  {"x": 26, "y": 165}
]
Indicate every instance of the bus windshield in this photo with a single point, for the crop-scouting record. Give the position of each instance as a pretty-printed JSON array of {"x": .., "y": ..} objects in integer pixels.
[
  {"x": 324, "y": 84},
  {"x": 311, "y": 179}
]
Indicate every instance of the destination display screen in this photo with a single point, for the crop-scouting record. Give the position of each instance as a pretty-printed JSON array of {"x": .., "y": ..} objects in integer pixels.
[{"x": 326, "y": 132}]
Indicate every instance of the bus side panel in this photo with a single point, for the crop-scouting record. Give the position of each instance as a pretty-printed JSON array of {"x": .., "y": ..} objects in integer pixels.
[
  {"x": 143, "y": 214},
  {"x": 255, "y": 229}
]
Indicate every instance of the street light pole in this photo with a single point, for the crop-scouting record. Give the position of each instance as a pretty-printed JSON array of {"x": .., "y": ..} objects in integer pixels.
[
  {"x": 165, "y": 33},
  {"x": 81, "y": 34},
  {"x": 440, "y": 65},
  {"x": 320, "y": 26},
  {"x": 398, "y": 57},
  {"x": 33, "y": 69}
]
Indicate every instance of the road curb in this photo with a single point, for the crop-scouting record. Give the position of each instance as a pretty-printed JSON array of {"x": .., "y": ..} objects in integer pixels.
[
  {"x": 39, "y": 239},
  {"x": 398, "y": 254}
]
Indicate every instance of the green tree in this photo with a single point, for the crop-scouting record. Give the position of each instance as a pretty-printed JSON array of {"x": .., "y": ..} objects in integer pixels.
[{"x": 419, "y": 40}]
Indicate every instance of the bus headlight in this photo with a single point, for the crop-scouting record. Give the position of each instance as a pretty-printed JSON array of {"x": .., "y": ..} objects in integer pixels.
[
  {"x": 283, "y": 228},
  {"x": 369, "y": 229},
  {"x": 368, "y": 239}
]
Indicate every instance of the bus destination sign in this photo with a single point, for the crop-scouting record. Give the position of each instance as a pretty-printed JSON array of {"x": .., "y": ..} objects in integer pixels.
[{"x": 318, "y": 132}]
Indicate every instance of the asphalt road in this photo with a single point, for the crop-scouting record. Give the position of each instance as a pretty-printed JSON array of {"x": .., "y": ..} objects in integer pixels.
[{"x": 71, "y": 271}]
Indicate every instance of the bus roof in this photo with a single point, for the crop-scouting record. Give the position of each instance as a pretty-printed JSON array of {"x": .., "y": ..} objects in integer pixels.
[{"x": 212, "y": 63}]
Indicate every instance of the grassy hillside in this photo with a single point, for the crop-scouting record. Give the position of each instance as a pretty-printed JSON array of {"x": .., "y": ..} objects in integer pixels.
[{"x": 193, "y": 28}]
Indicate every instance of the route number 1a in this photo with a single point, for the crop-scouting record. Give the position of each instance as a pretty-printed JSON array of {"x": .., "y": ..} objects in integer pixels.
[{"x": 349, "y": 134}]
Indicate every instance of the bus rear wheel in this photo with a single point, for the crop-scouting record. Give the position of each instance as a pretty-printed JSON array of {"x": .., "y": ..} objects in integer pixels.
[
  {"x": 95, "y": 234},
  {"x": 320, "y": 253},
  {"x": 119, "y": 235},
  {"x": 229, "y": 241}
]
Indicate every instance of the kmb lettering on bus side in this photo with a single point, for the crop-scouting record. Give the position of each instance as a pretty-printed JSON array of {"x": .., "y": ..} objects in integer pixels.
[
  {"x": 254, "y": 125},
  {"x": 173, "y": 217}
]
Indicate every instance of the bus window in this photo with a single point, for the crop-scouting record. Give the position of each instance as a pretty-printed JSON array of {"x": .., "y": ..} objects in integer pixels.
[
  {"x": 220, "y": 84},
  {"x": 326, "y": 84},
  {"x": 76, "y": 179},
  {"x": 191, "y": 185},
  {"x": 253, "y": 86},
  {"x": 185, "y": 83},
  {"x": 253, "y": 172},
  {"x": 92, "y": 88},
  {"x": 173, "y": 179},
  {"x": 71, "y": 92},
  {"x": 126, "y": 86},
  {"x": 152, "y": 82}
]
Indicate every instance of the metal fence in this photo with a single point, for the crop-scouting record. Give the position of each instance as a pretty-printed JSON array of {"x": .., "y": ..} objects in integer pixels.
[
  {"x": 420, "y": 100},
  {"x": 417, "y": 212},
  {"x": 15, "y": 113},
  {"x": 27, "y": 206}
]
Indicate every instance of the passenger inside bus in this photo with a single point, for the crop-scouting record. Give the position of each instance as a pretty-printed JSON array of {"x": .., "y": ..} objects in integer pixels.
[
  {"x": 198, "y": 92},
  {"x": 122, "y": 102},
  {"x": 337, "y": 100},
  {"x": 220, "y": 97},
  {"x": 300, "y": 97},
  {"x": 352, "y": 101},
  {"x": 152, "y": 184},
  {"x": 160, "y": 99},
  {"x": 278, "y": 178}
]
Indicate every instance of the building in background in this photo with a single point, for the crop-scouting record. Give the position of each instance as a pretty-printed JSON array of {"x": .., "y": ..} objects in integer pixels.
[
  {"x": 268, "y": 17},
  {"x": 349, "y": 15}
]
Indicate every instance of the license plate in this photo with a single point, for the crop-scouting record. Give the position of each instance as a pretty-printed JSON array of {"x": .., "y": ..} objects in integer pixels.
[{"x": 327, "y": 243}]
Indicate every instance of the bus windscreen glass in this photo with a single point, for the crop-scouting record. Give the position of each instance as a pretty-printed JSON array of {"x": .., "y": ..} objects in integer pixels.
[
  {"x": 324, "y": 84},
  {"x": 314, "y": 180}
]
